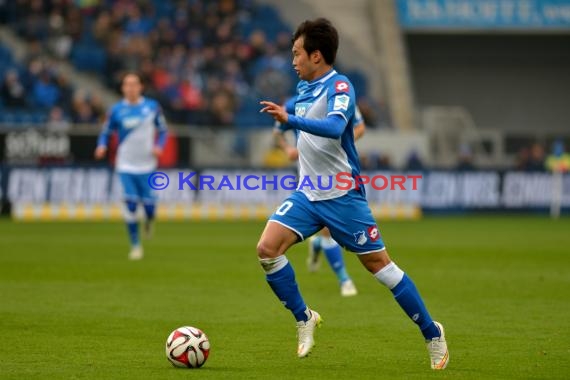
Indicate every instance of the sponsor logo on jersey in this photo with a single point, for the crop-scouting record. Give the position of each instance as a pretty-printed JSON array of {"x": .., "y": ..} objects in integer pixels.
[
  {"x": 373, "y": 233},
  {"x": 360, "y": 238},
  {"x": 341, "y": 103},
  {"x": 301, "y": 109},
  {"x": 341, "y": 86},
  {"x": 131, "y": 122}
]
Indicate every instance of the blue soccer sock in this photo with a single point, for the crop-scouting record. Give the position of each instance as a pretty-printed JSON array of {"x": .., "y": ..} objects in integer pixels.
[
  {"x": 149, "y": 210},
  {"x": 131, "y": 221},
  {"x": 133, "y": 229},
  {"x": 408, "y": 297},
  {"x": 316, "y": 242},
  {"x": 333, "y": 252},
  {"x": 281, "y": 278}
]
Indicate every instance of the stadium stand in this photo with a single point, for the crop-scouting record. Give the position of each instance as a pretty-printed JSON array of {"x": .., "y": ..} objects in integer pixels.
[
  {"x": 34, "y": 89},
  {"x": 208, "y": 63}
]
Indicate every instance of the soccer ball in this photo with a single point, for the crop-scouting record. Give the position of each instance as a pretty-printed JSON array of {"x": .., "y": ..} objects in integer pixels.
[{"x": 187, "y": 347}]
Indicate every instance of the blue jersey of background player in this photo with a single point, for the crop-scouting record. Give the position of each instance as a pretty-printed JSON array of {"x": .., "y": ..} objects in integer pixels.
[
  {"x": 324, "y": 107},
  {"x": 137, "y": 120}
]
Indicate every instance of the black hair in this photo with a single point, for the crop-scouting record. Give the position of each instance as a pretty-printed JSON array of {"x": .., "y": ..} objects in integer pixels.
[{"x": 321, "y": 35}]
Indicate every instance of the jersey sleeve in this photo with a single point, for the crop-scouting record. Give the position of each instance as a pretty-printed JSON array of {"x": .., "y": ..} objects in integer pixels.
[
  {"x": 160, "y": 125},
  {"x": 340, "y": 98},
  {"x": 109, "y": 126},
  {"x": 357, "y": 117},
  {"x": 331, "y": 127}
]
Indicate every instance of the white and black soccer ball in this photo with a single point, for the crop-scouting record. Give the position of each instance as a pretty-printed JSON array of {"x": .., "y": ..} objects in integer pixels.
[{"x": 187, "y": 347}]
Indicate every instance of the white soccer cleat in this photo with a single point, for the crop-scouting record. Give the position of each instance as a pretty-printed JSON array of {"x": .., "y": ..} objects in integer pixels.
[
  {"x": 314, "y": 257},
  {"x": 347, "y": 289},
  {"x": 305, "y": 332},
  {"x": 437, "y": 347},
  {"x": 136, "y": 253}
]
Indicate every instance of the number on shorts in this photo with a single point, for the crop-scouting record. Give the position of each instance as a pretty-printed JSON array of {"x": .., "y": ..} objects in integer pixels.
[{"x": 282, "y": 210}]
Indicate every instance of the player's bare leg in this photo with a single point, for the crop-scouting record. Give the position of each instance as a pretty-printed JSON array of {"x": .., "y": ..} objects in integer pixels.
[
  {"x": 407, "y": 296},
  {"x": 274, "y": 242}
]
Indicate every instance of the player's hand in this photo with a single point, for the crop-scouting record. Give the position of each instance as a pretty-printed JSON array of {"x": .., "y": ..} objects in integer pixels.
[
  {"x": 275, "y": 110},
  {"x": 157, "y": 151},
  {"x": 100, "y": 152},
  {"x": 292, "y": 153}
]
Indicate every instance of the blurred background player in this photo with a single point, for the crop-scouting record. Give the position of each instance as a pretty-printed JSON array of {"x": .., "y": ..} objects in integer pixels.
[
  {"x": 558, "y": 162},
  {"x": 136, "y": 119},
  {"x": 324, "y": 241},
  {"x": 324, "y": 107}
]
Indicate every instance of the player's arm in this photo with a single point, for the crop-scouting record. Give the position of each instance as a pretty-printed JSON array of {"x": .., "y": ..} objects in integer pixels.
[
  {"x": 332, "y": 126},
  {"x": 359, "y": 130},
  {"x": 160, "y": 125},
  {"x": 103, "y": 141},
  {"x": 359, "y": 127}
]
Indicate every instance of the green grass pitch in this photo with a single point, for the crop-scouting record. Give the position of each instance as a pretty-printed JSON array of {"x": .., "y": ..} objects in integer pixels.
[{"x": 73, "y": 307}]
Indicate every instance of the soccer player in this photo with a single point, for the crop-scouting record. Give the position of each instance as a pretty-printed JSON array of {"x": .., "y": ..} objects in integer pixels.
[
  {"x": 324, "y": 241},
  {"x": 136, "y": 119},
  {"x": 324, "y": 107}
]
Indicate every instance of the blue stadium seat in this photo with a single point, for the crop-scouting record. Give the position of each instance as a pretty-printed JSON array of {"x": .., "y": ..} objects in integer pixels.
[
  {"x": 162, "y": 8},
  {"x": 24, "y": 117},
  {"x": 266, "y": 12},
  {"x": 7, "y": 117},
  {"x": 5, "y": 54},
  {"x": 39, "y": 117},
  {"x": 88, "y": 58}
]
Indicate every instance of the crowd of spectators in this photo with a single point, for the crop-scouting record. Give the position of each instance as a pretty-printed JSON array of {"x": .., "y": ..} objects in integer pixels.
[
  {"x": 194, "y": 59},
  {"x": 207, "y": 62},
  {"x": 204, "y": 60},
  {"x": 531, "y": 158},
  {"x": 40, "y": 84}
]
